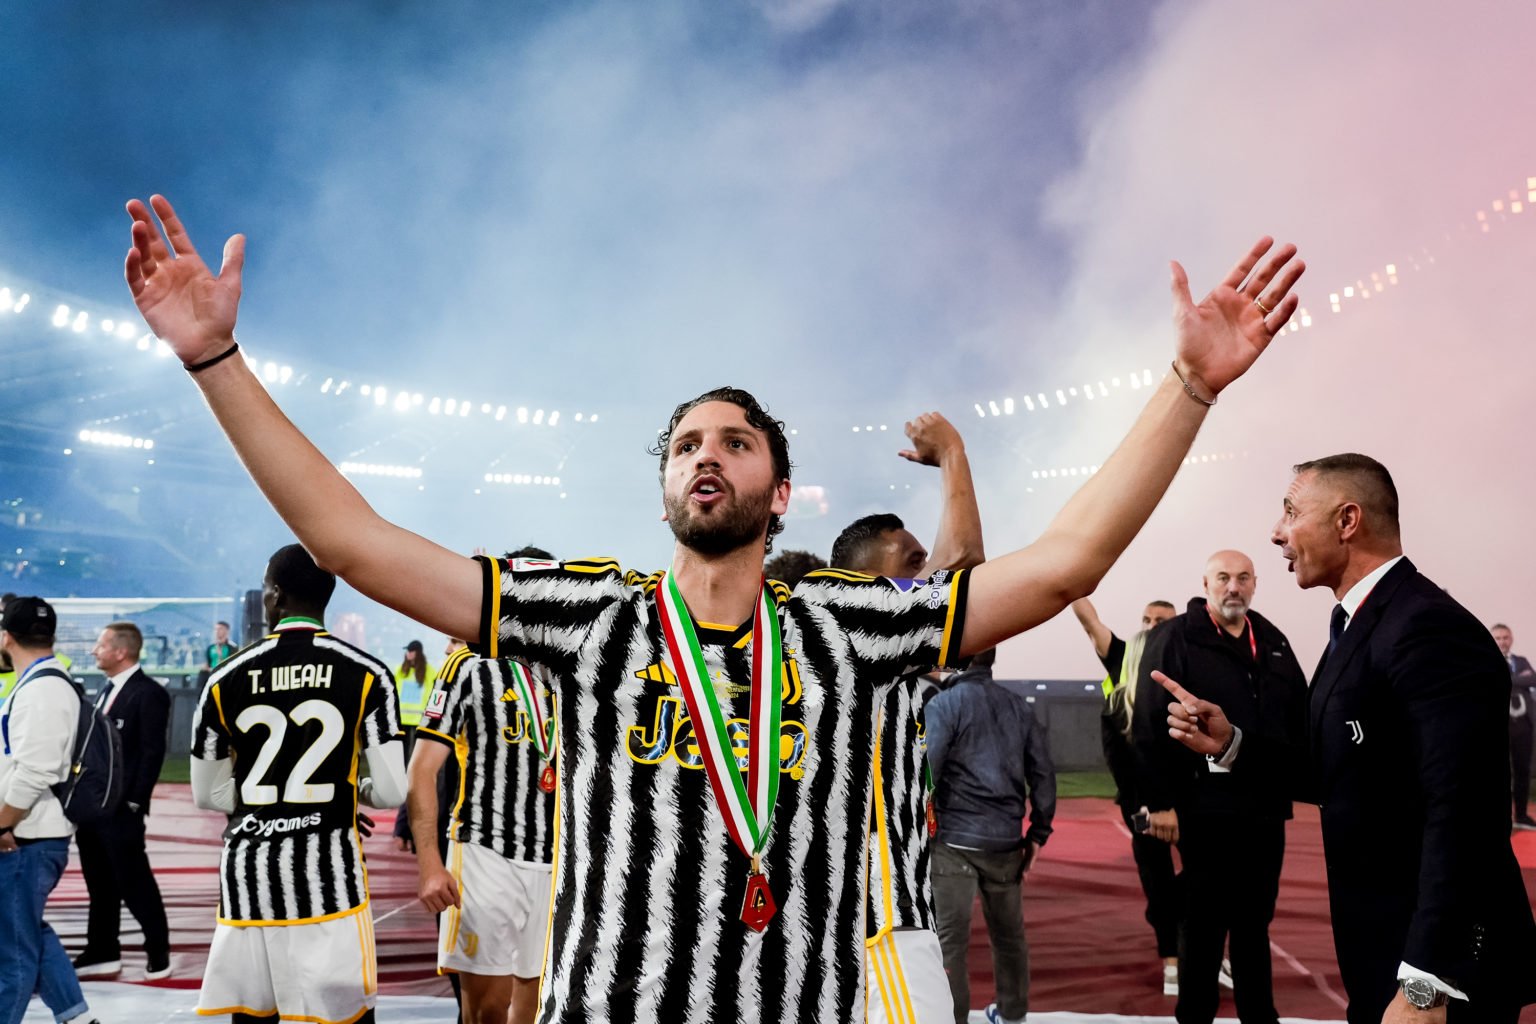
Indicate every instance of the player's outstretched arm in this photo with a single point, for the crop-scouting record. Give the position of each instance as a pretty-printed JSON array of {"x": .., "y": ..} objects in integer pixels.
[
  {"x": 193, "y": 311},
  {"x": 1218, "y": 340},
  {"x": 936, "y": 442}
]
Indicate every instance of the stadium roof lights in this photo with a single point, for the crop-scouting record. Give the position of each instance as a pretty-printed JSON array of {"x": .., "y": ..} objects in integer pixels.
[
  {"x": 378, "y": 469},
  {"x": 1069, "y": 472},
  {"x": 109, "y": 439},
  {"x": 522, "y": 479},
  {"x": 80, "y": 321}
]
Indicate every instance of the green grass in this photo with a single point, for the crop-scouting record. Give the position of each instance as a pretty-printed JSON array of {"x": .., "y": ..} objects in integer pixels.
[
  {"x": 1070, "y": 784},
  {"x": 176, "y": 769}
]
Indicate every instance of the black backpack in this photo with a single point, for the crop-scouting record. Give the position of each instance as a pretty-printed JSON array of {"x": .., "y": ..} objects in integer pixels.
[{"x": 95, "y": 784}]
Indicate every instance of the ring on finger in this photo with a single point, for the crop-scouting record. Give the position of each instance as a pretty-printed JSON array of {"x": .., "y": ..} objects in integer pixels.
[{"x": 1261, "y": 305}]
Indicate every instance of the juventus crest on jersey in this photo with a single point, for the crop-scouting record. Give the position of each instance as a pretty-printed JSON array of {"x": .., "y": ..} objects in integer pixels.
[
  {"x": 477, "y": 708},
  {"x": 296, "y": 710},
  {"x": 648, "y": 923}
]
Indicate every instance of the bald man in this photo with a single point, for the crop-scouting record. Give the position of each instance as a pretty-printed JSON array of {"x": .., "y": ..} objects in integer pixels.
[{"x": 1228, "y": 817}]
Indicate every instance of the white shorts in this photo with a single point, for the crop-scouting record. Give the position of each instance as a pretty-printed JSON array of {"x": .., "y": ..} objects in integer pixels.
[
  {"x": 503, "y": 919},
  {"x": 324, "y": 972},
  {"x": 907, "y": 983}
]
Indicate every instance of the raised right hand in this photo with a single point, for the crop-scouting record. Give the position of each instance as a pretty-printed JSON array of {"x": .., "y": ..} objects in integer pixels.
[
  {"x": 186, "y": 306},
  {"x": 438, "y": 890},
  {"x": 933, "y": 439}
]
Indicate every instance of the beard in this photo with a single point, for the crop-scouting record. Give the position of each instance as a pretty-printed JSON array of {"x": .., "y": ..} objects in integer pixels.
[
  {"x": 1232, "y": 613},
  {"x": 743, "y": 521}
]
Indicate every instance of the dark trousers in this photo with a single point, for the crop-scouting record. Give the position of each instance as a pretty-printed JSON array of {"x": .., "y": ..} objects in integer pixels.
[
  {"x": 1520, "y": 734},
  {"x": 116, "y": 868},
  {"x": 957, "y": 877},
  {"x": 1230, "y": 881},
  {"x": 1154, "y": 863}
]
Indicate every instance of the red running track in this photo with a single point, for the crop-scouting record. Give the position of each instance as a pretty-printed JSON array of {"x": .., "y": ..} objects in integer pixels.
[{"x": 1091, "y": 951}]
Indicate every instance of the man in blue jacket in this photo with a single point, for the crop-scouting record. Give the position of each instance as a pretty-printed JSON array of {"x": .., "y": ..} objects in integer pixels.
[{"x": 988, "y": 757}]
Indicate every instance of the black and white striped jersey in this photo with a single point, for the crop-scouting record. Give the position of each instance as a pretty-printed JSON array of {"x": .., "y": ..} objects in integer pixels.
[
  {"x": 476, "y": 709},
  {"x": 649, "y": 887},
  {"x": 900, "y": 879},
  {"x": 295, "y": 710}
]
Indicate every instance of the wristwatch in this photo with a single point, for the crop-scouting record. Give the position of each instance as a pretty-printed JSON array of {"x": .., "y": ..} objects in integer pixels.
[{"x": 1422, "y": 995}]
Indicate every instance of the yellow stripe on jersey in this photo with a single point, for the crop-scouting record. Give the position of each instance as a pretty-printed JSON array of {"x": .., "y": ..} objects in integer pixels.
[
  {"x": 592, "y": 566},
  {"x": 554, "y": 875},
  {"x": 946, "y": 651},
  {"x": 461, "y": 755},
  {"x": 218, "y": 703},
  {"x": 285, "y": 922},
  {"x": 846, "y": 575},
  {"x": 885, "y": 854},
  {"x": 493, "y": 624}
]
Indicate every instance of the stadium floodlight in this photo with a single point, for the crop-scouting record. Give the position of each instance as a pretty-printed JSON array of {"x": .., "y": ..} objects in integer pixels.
[
  {"x": 379, "y": 469},
  {"x": 501, "y": 413},
  {"x": 1007, "y": 407},
  {"x": 61, "y": 316},
  {"x": 554, "y": 417},
  {"x": 522, "y": 414},
  {"x": 143, "y": 343},
  {"x": 380, "y": 395},
  {"x": 81, "y": 321},
  {"x": 402, "y": 402},
  {"x": 464, "y": 408},
  {"x": 538, "y": 417},
  {"x": 124, "y": 330},
  {"x": 284, "y": 374},
  {"x": 993, "y": 409}
]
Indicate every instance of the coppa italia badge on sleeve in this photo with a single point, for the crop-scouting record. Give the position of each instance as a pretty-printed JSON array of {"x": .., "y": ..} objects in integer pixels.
[
  {"x": 541, "y": 729},
  {"x": 744, "y": 797}
]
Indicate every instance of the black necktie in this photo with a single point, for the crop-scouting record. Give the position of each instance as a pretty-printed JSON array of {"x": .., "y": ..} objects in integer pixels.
[
  {"x": 1336, "y": 626},
  {"x": 101, "y": 698}
]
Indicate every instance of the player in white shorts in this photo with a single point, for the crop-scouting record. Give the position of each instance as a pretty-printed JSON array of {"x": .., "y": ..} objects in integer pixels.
[
  {"x": 277, "y": 739},
  {"x": 904, "y": 965},
  {"x": 493, "y": 894}
]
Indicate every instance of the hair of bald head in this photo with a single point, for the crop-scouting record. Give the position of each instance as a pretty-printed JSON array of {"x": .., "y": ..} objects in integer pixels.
[
  {"x": 1364, "y": 481},
  {"x": 1162, "y": 604},
  {"x": 1498, "y": 625}
]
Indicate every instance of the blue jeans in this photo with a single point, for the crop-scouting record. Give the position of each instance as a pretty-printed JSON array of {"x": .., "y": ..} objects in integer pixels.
[{"x": 32, "y": 959}]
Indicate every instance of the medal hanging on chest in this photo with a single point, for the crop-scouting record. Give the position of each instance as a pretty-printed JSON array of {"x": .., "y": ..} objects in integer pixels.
[
  {"x": 540, "y": 729},
  {"x": 746, "y": 796}
]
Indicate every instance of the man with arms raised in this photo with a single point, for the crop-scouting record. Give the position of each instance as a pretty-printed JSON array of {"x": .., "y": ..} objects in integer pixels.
[
  {"x": 906, "y": 965},
  {"x": 1409, "y": 764},
  {"x": 276, "y": 744},
  {"x": 690, "y": 884}
]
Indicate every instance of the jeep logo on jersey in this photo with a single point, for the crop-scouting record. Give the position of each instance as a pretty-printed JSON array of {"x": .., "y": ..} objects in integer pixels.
[
  {"x": 670, "y": 734},
  {"x": 525, "y": 564}
]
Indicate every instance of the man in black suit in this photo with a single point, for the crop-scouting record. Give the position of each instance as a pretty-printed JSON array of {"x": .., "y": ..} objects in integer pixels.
[
  {"x": 1409, "y": 759},
  {"x": 1522, "y": 723},
  {"x": 112, "y": 854}
]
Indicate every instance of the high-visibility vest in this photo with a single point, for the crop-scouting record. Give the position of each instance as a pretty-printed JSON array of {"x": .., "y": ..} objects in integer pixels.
[
  {"x": 413, "y": 695},
  {"x": 8, "y": 678}
]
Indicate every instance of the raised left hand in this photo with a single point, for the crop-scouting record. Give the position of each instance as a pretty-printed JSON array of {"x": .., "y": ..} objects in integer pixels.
[
  {"x": 933, "y": 438},
  {"x": 1222, "y": 336}
]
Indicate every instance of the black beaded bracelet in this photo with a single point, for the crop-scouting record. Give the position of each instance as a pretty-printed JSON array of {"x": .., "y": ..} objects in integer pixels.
[{"x": 195, "y": 367}]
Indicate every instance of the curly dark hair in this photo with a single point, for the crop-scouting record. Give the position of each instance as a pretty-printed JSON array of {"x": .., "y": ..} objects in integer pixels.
[{"x": 757, "y": 418}]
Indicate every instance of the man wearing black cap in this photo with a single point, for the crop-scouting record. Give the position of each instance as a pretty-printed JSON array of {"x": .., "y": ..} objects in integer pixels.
[{"x": 37, "y": 742}]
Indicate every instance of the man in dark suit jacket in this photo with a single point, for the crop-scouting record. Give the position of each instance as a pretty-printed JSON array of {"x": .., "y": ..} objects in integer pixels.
[
  {"x": 1522, "y": 723},
  {"x": 1409, "y": 761},
  {"x": 112, "y": 853}
]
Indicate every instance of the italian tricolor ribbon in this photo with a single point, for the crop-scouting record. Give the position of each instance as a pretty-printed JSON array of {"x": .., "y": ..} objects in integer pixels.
[
  {"x": 745, "y": 797},
  {"x": 543, "y": 729}
]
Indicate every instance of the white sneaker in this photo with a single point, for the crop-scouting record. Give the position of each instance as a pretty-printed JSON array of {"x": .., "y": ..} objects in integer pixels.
[
  {"x": 1224, "y": 979},
  {"x": 1170, "y": 979}
]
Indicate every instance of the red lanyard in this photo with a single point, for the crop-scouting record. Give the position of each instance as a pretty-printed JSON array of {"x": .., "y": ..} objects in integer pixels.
[{"x": 1253, "y": 644}]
